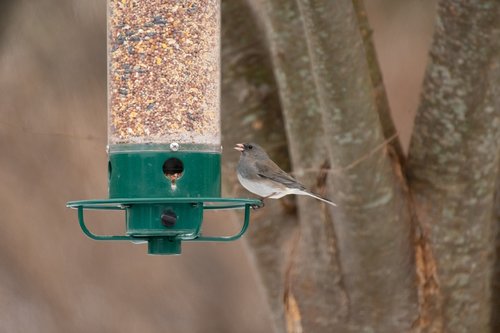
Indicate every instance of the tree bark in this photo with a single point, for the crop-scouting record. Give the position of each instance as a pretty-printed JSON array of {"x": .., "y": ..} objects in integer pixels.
[
  {"x": 372, "y": 221},
  {"x": 453, "y": 159},
  {"x": 494, "y": 84},
  {"x": 381, "y": 100},
  {"x": 495, "y": 308},
  {"x": 315, "y": 298},
  {"x": 251, "y": 113}
]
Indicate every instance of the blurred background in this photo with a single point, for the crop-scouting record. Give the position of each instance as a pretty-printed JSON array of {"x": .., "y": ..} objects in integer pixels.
[{"x": 52, "y": 141}]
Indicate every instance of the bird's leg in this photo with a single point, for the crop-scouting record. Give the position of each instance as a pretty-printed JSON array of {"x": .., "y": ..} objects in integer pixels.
[
  {"x": 262, "y": 204},
  {"x": 268, "y": 196}
]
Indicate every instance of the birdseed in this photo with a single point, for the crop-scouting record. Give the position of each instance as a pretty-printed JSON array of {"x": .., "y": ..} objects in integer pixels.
[{"x": 163, "y": 71}]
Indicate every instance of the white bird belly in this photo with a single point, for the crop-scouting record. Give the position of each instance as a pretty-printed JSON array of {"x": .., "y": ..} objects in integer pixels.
[{"x": 263, "y": 188}]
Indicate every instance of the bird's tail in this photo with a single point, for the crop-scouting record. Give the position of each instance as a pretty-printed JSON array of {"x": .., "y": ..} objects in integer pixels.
[{"x": 320, "y": 198}]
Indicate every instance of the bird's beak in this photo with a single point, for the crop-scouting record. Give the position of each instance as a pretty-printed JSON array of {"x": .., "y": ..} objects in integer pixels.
[{"x": 239, "y": 147}]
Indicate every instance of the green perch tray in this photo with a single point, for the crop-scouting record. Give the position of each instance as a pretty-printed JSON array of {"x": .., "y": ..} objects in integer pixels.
[{"x": 145, "y": 225}]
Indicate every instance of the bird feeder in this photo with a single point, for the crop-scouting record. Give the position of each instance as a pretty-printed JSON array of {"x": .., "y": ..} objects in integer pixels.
[{"x": 164, "y": 143}]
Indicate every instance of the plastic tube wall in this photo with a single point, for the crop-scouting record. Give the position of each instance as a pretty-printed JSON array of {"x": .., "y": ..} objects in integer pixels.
[{"x": 164, "y": 72}]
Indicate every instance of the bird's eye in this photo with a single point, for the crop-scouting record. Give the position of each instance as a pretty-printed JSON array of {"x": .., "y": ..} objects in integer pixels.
[{"x": 250, "y": 146}]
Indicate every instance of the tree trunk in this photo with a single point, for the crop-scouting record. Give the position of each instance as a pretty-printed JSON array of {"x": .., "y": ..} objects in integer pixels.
[
  {"x": 251, "y": 112},
  {"x": 454, "y": 158},
  {"x": 353, "y": 268},
  {"x": 495, "y": 309},
  {"x": 378, "y": 87},
  {"x": 315, "y": 298},
  {"x": 372, "y": 221}
]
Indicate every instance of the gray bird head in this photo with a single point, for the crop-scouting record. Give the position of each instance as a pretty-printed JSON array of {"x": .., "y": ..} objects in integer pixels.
[{"x": 251, "y": 150}]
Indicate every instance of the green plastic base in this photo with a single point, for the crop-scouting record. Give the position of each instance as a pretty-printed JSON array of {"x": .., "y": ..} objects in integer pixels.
[
  {"x": 164, "y": 193},
  {"x": 146, "y": 220},
  {"x": 164, "y": 246},
  {"x": 141, "y": 171},
  {"x": 138, "y": 172}
]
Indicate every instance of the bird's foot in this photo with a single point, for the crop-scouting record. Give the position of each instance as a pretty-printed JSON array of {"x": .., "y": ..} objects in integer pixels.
[{"x": 259, "y": 205}]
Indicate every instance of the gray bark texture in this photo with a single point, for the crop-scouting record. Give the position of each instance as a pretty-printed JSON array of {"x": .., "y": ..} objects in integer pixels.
[
  {"x": 453, "y": 160},
  {"x": 495, "y": 309},
  {"x": 394, "y": 256},
  {"x": 378, "y": 87},
  {"x": 372, "y": 222},
  {"x": 315, "y": 299},
  {"x": 251, "y": 112}
]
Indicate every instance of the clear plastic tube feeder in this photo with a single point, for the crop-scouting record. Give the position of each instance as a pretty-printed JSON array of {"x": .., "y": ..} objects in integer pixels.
[{"x": 164, "y": 143}]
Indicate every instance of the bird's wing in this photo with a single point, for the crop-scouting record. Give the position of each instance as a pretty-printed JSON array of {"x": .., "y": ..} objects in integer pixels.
[{"x": 274, "y": 173}]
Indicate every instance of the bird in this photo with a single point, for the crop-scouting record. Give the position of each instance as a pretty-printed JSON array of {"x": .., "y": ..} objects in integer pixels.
[{"x": 260, "y": 175}]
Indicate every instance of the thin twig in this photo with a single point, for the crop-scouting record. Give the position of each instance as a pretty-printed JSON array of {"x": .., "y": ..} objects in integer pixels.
[{"x": 351, "y": 165}]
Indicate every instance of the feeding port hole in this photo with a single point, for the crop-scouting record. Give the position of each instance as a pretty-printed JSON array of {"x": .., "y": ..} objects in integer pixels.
[{"x": 172, "y": 169}]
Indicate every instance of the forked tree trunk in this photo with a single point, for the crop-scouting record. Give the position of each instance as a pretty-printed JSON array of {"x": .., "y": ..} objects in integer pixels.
[{"x": 354, "y": 267}]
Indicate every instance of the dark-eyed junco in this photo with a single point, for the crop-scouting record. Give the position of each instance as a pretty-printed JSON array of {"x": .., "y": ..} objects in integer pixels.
[{"x": 260, "y": 175}]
